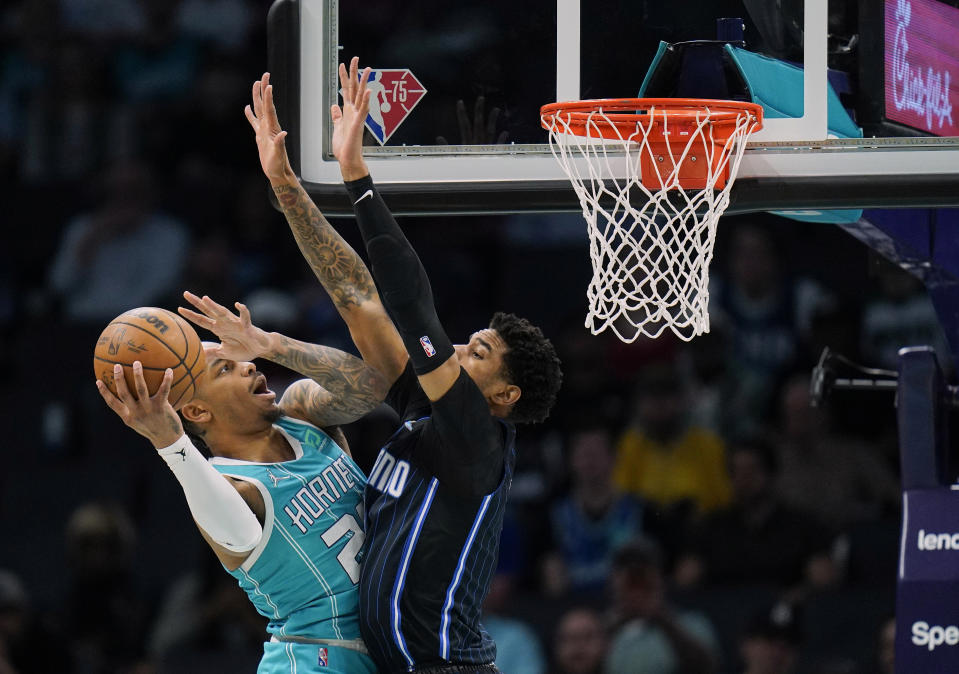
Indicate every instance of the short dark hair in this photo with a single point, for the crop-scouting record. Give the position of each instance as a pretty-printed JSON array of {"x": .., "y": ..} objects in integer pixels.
[
  {"x": 638, "y": 556},
  {"x": 759, "y": 446},
  {"x": 532, "y": 364}
]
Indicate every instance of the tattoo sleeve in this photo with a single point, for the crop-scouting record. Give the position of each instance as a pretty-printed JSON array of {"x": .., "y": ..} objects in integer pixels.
[
  {"x": 348, "y": 387},
  {"x": 334, "y": 262}
]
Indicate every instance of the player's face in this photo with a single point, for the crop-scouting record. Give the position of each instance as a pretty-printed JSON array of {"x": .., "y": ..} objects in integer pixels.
[
  {"x": 236, "y": 391},
  {"x": 482, "y": 358}
]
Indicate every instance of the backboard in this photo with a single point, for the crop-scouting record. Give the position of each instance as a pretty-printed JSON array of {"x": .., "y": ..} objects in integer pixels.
[{"x": 892, "y": 66}]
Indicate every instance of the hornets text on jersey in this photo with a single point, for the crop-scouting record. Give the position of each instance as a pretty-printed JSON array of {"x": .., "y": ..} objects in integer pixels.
[{"x": 303, "y": 574}]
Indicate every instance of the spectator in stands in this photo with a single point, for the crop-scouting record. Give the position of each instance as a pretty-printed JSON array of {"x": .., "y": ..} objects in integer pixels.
[
  {"x": 105, "y": 613},
  {"x": 767, "y": 314},
  {"x": 650, "y": 635},
  {"x": 771, "y": 641},
  {"x": 224, "y": 24},
  {"x": 580, "y": 642},
  {"x": 205, "y": 623},
  {"x": 28, "y": 642},
  {"x": 518, "y": 648},
  {"x": 886, "y": 650},
  {"x": 125, "y": 253},
  {"x": 757, "y": 539},
  {"x": 899, "y": 313},
  {"x": 839, "y": 478},
  {"x": 678, "y": 467},
  {"x": 592, "y": 520}
]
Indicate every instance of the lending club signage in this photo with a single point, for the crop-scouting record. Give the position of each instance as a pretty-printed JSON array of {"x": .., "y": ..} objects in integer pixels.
[
  {"x": 922, "y": 65},
  {"x": 927, "y": 597}
]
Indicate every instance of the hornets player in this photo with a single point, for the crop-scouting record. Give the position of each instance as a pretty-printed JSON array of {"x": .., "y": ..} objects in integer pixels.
[
  {"x": 437, "y": 492},
  {"x": 279, "y": 502}
]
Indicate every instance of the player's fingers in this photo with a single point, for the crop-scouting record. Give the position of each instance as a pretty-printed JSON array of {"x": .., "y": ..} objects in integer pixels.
[
  {"x": 251, "y": 118},
  {"x": 193, "y": 299},
  {"x": 257, "y": 103},
  {"x": 280, "y": 137},
  {"x": 335, "y": 113},
  {"x": 270, "y": 109},
  {"x": 120, "y": 382},
  {"x": 139, "y": 383},
  {"x": 212, "y": 308},
  {"x": 194, "y": 317},
  {"x": 363, "y": 85},
  {"x": 354, "y": 68},
  {"x": 244, "y": 313},
  {"x": 111, "y": 400},
  {"x": 344, "y": 82},
  {"x": 165, "y": 385},
  {"x": 364, "y": 106}
]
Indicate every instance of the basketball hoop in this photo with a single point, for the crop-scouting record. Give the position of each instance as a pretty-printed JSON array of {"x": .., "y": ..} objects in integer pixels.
[{"x": 653, "y": 177}]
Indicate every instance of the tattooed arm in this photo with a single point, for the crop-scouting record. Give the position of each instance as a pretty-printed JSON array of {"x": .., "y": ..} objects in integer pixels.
[
  {"x": 334, "y": 262},
  {"x": 341, "y": 388}
]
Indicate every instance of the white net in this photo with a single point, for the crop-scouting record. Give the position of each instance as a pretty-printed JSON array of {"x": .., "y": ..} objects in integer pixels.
[{"x": 650, "y": 244}]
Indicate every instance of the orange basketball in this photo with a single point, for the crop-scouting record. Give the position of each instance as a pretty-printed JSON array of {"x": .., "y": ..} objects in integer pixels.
[{"x": 159, "y": 339}]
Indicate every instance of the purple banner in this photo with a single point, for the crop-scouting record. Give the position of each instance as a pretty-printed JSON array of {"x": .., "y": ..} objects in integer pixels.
[
  {"x": 922, "y": 65},
  {"x": 929, "y": 544},
  {"x": 927, "y": 628},
  {"x": 927, "y": 596}
]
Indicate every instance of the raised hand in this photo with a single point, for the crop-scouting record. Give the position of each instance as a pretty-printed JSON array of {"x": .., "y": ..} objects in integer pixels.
[
  {"x": 153, "y": 416},
  {"x": 239, "y": 338},
  {"x": 270, "y": 137},
  {"x": 348, "y": 121}
]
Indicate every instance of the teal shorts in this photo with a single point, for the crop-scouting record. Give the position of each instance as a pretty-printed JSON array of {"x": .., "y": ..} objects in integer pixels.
[{"x": 282, "y": 657}]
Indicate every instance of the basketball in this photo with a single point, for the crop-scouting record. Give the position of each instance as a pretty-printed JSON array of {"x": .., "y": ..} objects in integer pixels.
[{"x": 159, "y": 339}]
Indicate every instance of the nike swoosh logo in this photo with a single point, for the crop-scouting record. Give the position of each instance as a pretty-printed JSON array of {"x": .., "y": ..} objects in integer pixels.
[{"x": 367, "y": 193}]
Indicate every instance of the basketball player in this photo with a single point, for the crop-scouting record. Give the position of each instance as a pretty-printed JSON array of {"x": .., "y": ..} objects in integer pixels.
[
  {"x": 279, "y": 503},
  {"x": 436, "y": 495}
]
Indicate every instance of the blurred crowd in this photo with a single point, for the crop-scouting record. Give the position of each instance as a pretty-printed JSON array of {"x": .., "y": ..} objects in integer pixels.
[{"x": 684, "y": 509}]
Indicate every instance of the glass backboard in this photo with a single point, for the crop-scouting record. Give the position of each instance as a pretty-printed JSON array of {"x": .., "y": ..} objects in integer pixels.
[{"x": 459, "y": 88}]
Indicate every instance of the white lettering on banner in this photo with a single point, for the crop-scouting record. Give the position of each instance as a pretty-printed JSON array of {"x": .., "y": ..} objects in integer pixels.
[
  {"x": 933, "y": 541},
  {"x": 926, "y": 95},
  {"x": 934, "y": 636}
]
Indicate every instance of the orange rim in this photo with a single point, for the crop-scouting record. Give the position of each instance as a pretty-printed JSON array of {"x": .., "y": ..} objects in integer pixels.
[{"x": 625, "y": 114}]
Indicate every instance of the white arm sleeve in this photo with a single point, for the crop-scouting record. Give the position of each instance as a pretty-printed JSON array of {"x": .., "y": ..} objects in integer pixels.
[{"x": 215, "y": 504}]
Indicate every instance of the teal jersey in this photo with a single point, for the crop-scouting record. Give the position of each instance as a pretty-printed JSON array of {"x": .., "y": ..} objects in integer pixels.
[{"x": 303, "y": 574}]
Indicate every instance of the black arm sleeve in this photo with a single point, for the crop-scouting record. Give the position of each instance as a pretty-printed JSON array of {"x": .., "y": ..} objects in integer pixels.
[
  {"x": 463, "y": 445},
  {"x": 401, "y": 279}
]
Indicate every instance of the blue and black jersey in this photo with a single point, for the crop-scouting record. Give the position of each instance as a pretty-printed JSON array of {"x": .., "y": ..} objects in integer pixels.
[{"x": 435, "y": 502}]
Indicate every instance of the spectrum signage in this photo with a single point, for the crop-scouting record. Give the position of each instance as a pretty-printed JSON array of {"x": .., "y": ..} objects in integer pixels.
[
  {"x": 922, "y": 65},
  {"x": 927, "y": 591}
]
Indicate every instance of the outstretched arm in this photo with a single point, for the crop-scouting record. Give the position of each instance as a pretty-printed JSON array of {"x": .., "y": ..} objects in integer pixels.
[
  {"x": 407, "y": 294},
  {"x": 341, "y": 388},
  {"x": 334, "y": 262},
  {"x": 228, "y": 513}
]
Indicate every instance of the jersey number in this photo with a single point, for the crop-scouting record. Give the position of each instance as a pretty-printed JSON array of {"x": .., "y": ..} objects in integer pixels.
[{"x": 347, "y": 557}]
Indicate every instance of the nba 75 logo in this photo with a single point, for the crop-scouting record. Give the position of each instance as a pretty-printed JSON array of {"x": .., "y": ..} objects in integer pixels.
[{"x": 394, "y": 95}]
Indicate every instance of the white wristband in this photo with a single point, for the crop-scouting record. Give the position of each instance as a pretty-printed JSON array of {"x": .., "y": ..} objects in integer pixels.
[{"x": 215, "y": 504}]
